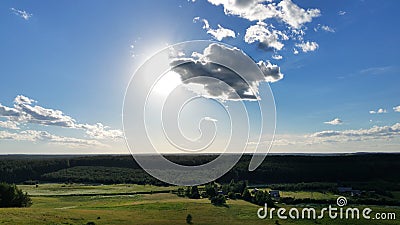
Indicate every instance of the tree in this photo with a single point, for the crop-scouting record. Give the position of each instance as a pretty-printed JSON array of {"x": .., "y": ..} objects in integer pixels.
[
  {"x": 11, "y": 196},
  {"x": 218, "y": 200},
  {"x": 262, "y": 197},
  {"x": 187, "y": 192},
  {"x": 194, "y": 193},
  {"x": 211, "y": 190},
  {"x": 246, "y": 195},
  {"x": 189, "y": 219}
]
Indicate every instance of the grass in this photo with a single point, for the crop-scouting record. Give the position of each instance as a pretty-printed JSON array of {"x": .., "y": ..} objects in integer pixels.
[
  {"x": 81, "y": 189},
  {"x": 151, "y": 209}
]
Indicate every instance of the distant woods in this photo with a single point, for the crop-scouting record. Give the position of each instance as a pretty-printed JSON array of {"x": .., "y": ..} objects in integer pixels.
[{"x": 109, "y": 169}]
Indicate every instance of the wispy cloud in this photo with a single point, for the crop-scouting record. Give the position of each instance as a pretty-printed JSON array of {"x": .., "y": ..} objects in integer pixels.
[
  {"x": 22, "y": 13},
  {"x": 376, "y": 70},
  {"x": 335, "y": 121},
  {"x": 37, "y": 136},
  {"x": 342, "y": 13},
  {"x": 396, "y": 108},
  {"x": 324, "y": 28}
]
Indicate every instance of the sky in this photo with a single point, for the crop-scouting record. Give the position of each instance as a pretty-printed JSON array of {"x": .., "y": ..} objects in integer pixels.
[{"x": 332, "y": 67}]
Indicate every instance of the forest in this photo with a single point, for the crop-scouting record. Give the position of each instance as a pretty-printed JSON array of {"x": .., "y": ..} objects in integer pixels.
[{"x": 366, "y": 171}]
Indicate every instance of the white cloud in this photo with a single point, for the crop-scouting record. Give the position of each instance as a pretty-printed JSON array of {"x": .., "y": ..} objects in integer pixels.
[
  {"x": 21, "y": 13},
  {"x": 342, "y": 13},
  {"x": 219, "y": 33},
  {"x": 379, "y": 111},
  {"x": 376, "y": 132},
  {"x": 253, "y": 10},
  {"x": 277, "y": 57},
  {"x": 260, "y": 10},
  {"x": 376, "y": 70},
  {"x": 267, "y": 36},
  {"x": 9, "y": 125},
  {"x": 308, "y": 46},
  {"x": 295, "y": 51},
  {"x": 335, "y": 121},
  {"x": 295, "y": 16},
  {"x": 35, "y": 136},
  {"x": 99, "y": 131},
  {"x": 324, "y": 28},
  {"x": 271, "y": 72},
  {"x": 396, "y": 108},
  {"x": 26, "y": 111}
]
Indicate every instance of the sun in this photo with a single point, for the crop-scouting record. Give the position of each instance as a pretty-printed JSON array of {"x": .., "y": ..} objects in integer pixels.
[{"x": 167, "y": 83}]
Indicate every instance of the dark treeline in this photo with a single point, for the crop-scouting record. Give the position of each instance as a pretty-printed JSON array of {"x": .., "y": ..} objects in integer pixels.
[{"x": 340, "y": 169}]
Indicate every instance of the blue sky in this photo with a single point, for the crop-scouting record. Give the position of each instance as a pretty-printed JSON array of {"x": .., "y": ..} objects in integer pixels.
[{"x": 78, "y": 58}]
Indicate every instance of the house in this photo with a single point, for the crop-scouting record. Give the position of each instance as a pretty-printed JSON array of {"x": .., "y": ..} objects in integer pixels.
[
  {"x": 345, "y": 189},
  {"x": 255, "y": 190},
  {"x": 274, "y": 194},
  {"x": 349, "y": 190}
]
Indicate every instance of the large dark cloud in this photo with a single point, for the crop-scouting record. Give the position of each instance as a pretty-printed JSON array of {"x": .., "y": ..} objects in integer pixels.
[{"x": 219, "y": 62}]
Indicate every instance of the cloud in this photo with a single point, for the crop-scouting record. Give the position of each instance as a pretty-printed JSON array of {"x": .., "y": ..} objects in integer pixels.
[
  {"x": 376, "y": 132},
  {"x": 268, "y": 37},
  {"x": 308, "y": 46},
  {"x": 21, "y": 13},
  {"x": 35, "y": 136},
  {"x": 271, "y": 72},
  {"x": 324, "y": 28},
  {"x": 379, "y": 111},
  {"x": 342, "y": 13},
  {"x": 217, "y": 34},
  {"x": 277, "y": 57},
  {"x": 335, "y": 121},
  {"x": 260, "y": 10},
  {"x": 26, "y": 111},
  {"x": 253, "y": 10},
  {"x": 295, "y": 16},
  {"x": 99, "y": 131},
  {"x": 39, "y": 115},
  {"x": 9, "y": 125},
  {"x": 376, "y": 70},
  {"x": 8, "y": 112},
  {"x": 201, "y": 70},
  {"x": 396, "y": 108}
]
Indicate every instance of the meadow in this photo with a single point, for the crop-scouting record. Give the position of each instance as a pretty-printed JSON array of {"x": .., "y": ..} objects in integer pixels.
[{"x": 53, "y": 204}]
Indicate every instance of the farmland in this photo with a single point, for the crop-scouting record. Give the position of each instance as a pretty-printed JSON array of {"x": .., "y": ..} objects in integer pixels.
[{"x": 54, "y": 204}]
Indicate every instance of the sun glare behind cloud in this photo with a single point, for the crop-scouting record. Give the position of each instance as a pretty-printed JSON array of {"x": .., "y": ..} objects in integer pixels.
[{"x": 167, "y": 83}]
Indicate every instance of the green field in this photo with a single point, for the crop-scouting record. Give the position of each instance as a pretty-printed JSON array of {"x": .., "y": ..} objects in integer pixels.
[
  {"x": 83, "y": 189},
  {"x": 160, "y": 208}
]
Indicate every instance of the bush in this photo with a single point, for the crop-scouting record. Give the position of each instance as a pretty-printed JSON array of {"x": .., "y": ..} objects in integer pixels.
[
  {"x": 218, "y": 200},
  {"x": 11, "y": 196},
  {"x": 189, "y": 219}
]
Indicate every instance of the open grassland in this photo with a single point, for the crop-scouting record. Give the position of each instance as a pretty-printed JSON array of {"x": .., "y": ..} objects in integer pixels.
[
  {"x": 148, "y": 209},
  {"x": 152, "y": 209},
  {"x": 81, "y": 189}
]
